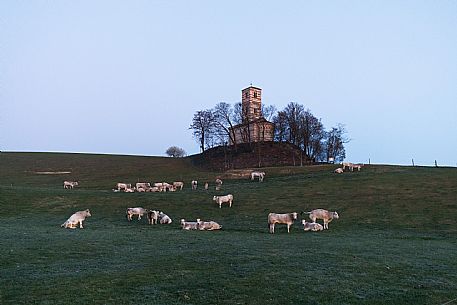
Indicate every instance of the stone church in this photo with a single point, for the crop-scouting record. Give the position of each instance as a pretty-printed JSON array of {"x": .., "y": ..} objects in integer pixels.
[{"x": 254, "y": 127}]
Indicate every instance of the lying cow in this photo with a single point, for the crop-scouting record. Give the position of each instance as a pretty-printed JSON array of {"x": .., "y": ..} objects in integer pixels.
[
  {"x": 153, "y": 217},
  {"x": 339, "y": 170},
  {"x": 123, "y": 186},
  {"x": 164, "y": 218},
  {"x": 313, "y": 226},
  {"x": 188, "y": 225},
  {"x": 322, "y": 214},
  {"x": 222, "y": 199},
  {"x": 208, "y": 225},
  {"x": 135, "y": 211},
  {"x": 70, "y": 184},
  {"x": 76, "y": 218},
  {"x": 287, "y": 219}
]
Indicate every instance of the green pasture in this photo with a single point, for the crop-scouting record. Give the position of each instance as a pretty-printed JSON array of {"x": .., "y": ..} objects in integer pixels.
[{"x": 395, "y": 241}]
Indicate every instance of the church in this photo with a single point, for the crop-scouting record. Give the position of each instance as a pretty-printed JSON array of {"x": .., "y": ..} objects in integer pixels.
[{"x": 254, "y": 127}]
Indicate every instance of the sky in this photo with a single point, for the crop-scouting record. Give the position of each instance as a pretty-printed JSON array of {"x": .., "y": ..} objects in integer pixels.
[{"x": 126, "y": 77}]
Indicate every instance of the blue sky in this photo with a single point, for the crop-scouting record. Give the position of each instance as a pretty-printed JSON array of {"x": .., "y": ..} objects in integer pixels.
[{"x": 126, "y": 77}]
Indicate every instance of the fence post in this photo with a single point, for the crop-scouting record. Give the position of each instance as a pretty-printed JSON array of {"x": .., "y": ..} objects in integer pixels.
[
  {"x": 436, "y": 164},
  {"x": 412, "y": 161}
]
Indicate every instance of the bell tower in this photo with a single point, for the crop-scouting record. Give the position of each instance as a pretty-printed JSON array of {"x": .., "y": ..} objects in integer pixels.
[{"x": 251, "y": 102}]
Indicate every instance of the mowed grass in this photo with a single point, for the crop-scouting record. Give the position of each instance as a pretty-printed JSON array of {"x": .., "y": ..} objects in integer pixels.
[{"x": 395, "y": 241}]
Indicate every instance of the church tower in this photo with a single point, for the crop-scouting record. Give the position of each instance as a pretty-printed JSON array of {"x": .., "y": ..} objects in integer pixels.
[{"x": 251, "y": 102}]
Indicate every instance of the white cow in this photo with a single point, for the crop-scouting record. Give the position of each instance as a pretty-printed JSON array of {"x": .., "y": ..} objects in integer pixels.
[
  {"x": 76, "y": 218},
  {"x": 178, "y": 184},
  {"x": 322, "y": 214},
  {"x": 313, "y": 226},
  {"x": 339, "y": 170},
  {"x": 260, "y": 175},
  {"x": 135, "y": 211},
  {"x": 194, "y": 184},
  {"x": 222, "y": 199},
  {"x": 287, "y": 219},
  {"x": 208, "y": 225},
  {"x": 123, "y": 186},
  {"x": 70, "y": 184},
  {"x": 164, "y": 218}
]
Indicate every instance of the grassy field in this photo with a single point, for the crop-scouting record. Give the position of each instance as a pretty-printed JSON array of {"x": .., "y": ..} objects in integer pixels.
[{"x": 395, "y": 241}]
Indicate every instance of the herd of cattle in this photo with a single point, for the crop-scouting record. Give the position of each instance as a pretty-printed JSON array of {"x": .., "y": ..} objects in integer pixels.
[{"x": 158, "y": 217}]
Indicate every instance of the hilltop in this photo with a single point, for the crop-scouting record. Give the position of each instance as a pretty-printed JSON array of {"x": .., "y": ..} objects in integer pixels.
[{"x": 260, "y": 154}]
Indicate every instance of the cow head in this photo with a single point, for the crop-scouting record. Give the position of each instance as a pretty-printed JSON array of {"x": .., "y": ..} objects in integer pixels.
[
  {"x": 335, "y": 215},
  {"x": 294, "y": 215}
]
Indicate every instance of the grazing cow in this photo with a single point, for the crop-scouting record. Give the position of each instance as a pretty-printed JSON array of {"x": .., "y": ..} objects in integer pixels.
[
  {"x": 70, "y": 184},
  {"x": 347, "y": 164},
  {"x": 322, "y": 214},
  {"x": 178, "y": 184},
  {"x": 135, "y": 211},
  {"x": 206, "y": 186},
  {"x": 208, "y": 225},
  {"x": 122, "y": 186},
  {"x": 164, "y": 218},
  {"x": 339, "y": 170},
  {"x": 188, "y": 225},
  {"x": 152, "y": 217},
  {"x": 218, "y": 181},
  {"x": 144, "y": 185},
  {"x": 222, "y": 199},
  {"x": 287, "y": 219},
  {"x": 351, "y": 166},
  {"x": 260, "y": 175},
  {"x": 313, "y": 226},
  {"x": 194, "y": 184},
  {"x": 76, "y": 218}
]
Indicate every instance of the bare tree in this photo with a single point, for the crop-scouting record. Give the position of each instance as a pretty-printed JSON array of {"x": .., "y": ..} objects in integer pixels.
[
  {"x": 203, "y": 127},
  {"x": 224, "y": 118},
  {"x": 334, "y": 143},
  {"x": 311, "y": 135},
  {"x": 293, "y": 113},
  {"x": 175, "y": 152},
  {"x": 281, "y": 127}
]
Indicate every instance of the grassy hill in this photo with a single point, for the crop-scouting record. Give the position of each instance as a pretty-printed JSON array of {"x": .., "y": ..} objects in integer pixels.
[{"x": 395, "y": 241}]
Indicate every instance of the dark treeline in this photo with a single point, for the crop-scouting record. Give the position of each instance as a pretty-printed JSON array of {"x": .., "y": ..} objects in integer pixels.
[{"x": 295, "y": 125}]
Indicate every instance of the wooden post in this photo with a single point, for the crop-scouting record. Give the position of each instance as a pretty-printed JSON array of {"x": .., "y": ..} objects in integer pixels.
[
  {"x": 412, "y": 161},
  {"x": 436, "y": 164},
  {"x": 369, "y": 161}
]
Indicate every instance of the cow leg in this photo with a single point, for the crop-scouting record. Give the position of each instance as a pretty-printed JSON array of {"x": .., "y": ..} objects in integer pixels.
[
  {"x": 272, "y": 228},
  {"x": 81, "y": 224},
  {"x": 288, "y": 228}
]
